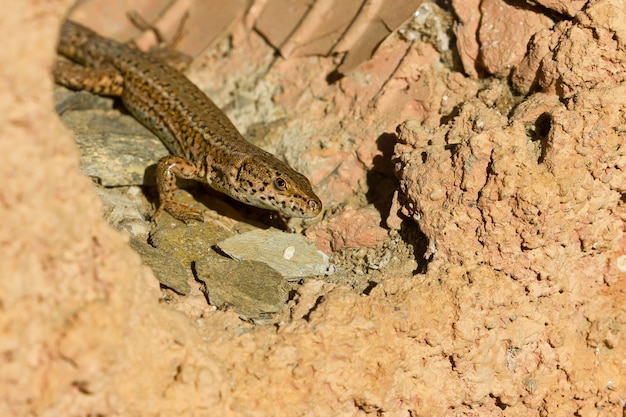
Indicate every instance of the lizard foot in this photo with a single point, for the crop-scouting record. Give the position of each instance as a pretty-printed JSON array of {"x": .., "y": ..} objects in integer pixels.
[{"x": 179, "y": 211}]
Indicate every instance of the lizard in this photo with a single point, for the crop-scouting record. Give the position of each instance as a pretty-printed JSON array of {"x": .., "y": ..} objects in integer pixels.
[{"x": 203, "y": 142}]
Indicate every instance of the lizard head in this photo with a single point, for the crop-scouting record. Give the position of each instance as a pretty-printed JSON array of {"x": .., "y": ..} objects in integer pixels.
[{"x": 266, "y": 182}]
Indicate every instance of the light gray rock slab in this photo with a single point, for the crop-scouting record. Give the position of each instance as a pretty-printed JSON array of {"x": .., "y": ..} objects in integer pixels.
[
  {"x": 188, "y": 243},
  {"x": 252, "y": 289},
  {"x": 115, "y": 148},
  {"x": 167, "y": 269},
  {"x": 292, "y": 255},
  {"x": 124, "y": 211},
  {"x": 66, "y": 99}
]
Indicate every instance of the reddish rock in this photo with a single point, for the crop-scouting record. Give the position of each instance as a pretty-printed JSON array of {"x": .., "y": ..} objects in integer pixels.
[
  {"x": 597, "y": 40},
  {"x": 521, "y": 311},
  {"x": 349, "y": 228}
]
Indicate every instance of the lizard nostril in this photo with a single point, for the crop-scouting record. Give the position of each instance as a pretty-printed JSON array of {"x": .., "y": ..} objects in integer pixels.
[{"x": 314, "y": 205}]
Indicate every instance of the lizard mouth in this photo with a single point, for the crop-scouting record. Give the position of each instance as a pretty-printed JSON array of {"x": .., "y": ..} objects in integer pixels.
[{"x": 311, "y": 208}]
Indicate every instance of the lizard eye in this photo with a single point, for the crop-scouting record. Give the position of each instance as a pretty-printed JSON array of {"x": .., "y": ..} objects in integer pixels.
[{"x": 280, "y": 184}]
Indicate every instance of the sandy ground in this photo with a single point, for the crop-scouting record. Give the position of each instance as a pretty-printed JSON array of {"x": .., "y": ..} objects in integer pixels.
[{"x": 502, "y": 168}]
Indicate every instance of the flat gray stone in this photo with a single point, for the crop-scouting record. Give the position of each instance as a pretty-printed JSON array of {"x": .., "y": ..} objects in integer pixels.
[
  {"x": 252, "y": 289},
  {"x": 66, "y": 99},
  {"x": 168, "y": 270},
  {"x": 188, "y": 243},
  {"x": 123, "y": 211},
  {"x": 115, "y": 148},
  {"x": 292, "y": 255}
]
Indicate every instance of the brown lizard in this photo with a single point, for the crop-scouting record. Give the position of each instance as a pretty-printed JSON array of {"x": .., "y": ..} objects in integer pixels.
[{"x": 205, "y": 145}]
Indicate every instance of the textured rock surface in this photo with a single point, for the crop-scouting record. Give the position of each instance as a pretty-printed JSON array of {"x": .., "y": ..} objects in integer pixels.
[
  {"x": 253, "y": 289},
  {"x": 577, "y": 54},
  {"x": 115, "y": 150},
  {"x": 521, "y": 216},
  {"x": 291, "y": 255},
  {"x": 167, "y": 269}
]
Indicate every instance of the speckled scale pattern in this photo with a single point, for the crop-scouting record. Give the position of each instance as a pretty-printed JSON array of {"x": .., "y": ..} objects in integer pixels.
[{"x": 204, "y": 143}]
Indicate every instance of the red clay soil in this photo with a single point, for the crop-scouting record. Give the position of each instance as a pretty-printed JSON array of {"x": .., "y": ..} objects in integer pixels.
[{"x": 521, "y": 310}]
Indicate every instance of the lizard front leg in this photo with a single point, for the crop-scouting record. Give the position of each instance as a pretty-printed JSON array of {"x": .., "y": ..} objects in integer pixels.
[{"x": 168, "y": 169}]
